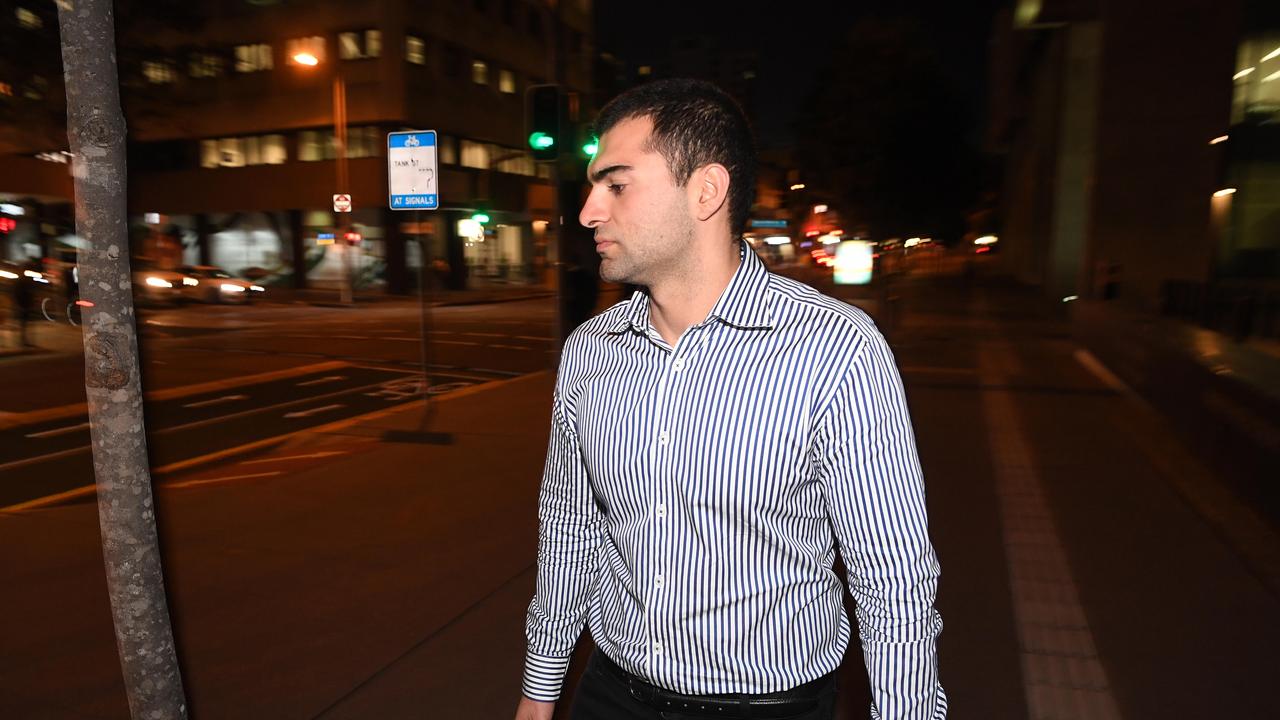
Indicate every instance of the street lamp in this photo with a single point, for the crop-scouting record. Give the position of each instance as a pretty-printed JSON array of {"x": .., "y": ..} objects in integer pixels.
[{"x": 307, "y": 59}]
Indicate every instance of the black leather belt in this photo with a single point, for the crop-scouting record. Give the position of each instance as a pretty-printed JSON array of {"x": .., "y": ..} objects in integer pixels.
[{"x": 787, "y": 703}]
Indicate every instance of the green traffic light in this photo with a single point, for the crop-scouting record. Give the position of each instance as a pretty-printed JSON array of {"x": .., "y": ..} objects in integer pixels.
[
  {"x": 480, "y": 218},
  {"x": 541, "y": 141},
  {"x": 591, "y": 147}
]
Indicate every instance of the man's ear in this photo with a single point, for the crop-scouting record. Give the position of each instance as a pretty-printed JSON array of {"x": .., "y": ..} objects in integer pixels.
[{"x": 709, "y": 190}]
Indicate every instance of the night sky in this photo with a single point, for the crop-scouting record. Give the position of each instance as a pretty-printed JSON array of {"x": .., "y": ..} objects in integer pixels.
[{"x": 797, "y": 38}]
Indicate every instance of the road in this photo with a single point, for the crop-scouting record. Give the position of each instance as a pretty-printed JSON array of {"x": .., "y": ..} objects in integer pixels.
[
  {"x": 1092, "y": 566},
  {"x": 218, "y": 378}
]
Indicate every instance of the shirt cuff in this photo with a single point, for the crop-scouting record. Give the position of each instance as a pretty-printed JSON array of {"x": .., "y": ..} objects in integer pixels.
[{"x": 544, "y": 676}]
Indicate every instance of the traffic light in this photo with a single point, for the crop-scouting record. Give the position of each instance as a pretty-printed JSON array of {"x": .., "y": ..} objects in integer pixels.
[{"x": 542, "y": 118}]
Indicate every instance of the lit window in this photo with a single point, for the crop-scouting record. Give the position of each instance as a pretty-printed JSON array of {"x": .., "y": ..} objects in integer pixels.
[
  {"x": 415, "y": 50},
  {"x": 272, "y": 149},
  {"x": 253, "y": 58},
  {"x": 313, "y": 46},
  {"x": 28, "y": 19},
  {"x": 475, "y": 155},
  {"x": 506, "y": 81},
  {"x": 209, "y": 157},
  {"x": 360, "y": 45},
  {"x": 480, "y": 72},
  {"x": 316, "y": 145},
  {"x": 516, "y": 162},
  {"x": 158, "y": 71},
  {"x": 230, "y": 152},
  {"x": 644, "y": 70},
  {"x": 205, "y": 65}
]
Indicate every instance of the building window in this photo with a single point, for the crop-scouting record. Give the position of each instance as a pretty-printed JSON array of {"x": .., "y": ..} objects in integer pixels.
[
  {"x": 1257, "y": 80},
  {"x": 360, "y": 45},
  {"x": 313, "y": 46},
  {"x": 253, "y": 58},
  {"x": 535, "y": 23},
  {"x": 506, "y": 81},
  {"x": 453, "y": 63},
  {"x": 205, "y": 65},
  {"x": 516, "y": 162},
  {"x": 448, "y": 150},
  {"x": 475, "y": 155},
  {"x": 479, "y": 72},
  {"x": 158, "y": 72},
  {"x": 29, "y": 20},
  {"x": 415, "y": 50},
  {"x": 644, "y": 71},
  {"x": 322, "y": 145},
  {"x": 243, "y": 151}
]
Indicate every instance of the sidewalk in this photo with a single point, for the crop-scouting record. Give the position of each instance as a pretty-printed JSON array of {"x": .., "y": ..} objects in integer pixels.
[{"x": 1086, "y": 554}]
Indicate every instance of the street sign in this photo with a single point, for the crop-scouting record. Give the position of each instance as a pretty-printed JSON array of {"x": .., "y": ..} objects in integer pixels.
[
  {"x": 342, "y": 203},
  {"x": 764, "y": 223},
  {"x": 324, "y": 239},
  {"x": 412, "y": 171}
]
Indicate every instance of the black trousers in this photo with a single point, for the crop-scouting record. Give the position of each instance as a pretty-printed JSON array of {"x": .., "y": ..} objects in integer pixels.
[{"x": 602, "y": 696}]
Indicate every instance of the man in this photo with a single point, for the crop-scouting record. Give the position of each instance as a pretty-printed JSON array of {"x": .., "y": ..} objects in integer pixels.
[{"x": 714, "y": 440}]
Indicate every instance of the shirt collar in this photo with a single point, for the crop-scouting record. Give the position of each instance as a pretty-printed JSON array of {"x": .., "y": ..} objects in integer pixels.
[{"x": 742, "y": 304}]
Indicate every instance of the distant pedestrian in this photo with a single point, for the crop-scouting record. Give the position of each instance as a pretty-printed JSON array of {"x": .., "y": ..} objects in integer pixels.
[
  {"x": 715, "y": 440},
  {"x": 23, "y": 302}
]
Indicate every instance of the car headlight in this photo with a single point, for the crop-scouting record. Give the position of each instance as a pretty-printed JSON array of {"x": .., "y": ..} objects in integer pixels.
[
  {"x": 190, "y": 281},
  {"x": 159, "y": 282},
  {"x": 228, "y": 287},
  {"x": 257, "y": 288},
  {"x": 8, "y": 275}
]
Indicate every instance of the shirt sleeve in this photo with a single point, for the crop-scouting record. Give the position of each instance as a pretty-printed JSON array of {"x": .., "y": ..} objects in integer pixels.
[
  {"x": 570, "y": 529},
  {"x": 875, "y": 494}
]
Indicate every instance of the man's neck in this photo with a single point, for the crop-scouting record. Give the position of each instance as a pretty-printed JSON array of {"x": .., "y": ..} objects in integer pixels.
[{"x": 678, "y": 303}]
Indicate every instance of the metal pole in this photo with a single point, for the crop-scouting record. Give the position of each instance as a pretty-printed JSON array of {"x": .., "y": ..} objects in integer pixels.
[{"x": 340, "y": 139}]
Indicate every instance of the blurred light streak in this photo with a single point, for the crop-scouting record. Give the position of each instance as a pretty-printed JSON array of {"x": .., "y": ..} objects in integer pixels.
[
  {"x": 777, "y": 240},
  {"x": 1219, "y": 139},
  {"x": 1242, "y": 73},
  {"x": 305, "y": 58},
  {"x": 1225, "y": 192},
  {"x": 798, "y": 186}
]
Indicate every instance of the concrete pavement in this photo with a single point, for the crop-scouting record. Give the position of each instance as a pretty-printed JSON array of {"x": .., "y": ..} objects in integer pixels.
[{"x": 1093, "y": 566}]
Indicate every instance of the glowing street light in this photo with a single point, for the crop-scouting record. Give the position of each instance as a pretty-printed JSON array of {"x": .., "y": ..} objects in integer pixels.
[{"x": 306, "y": 58}]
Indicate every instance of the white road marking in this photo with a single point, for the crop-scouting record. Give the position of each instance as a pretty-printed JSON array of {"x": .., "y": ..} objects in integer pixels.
[
  {"x": 216, "y": 401},
  {"x": 321, "y": 381},
  {"x": 209, "y": 481},
  {"x": 1100, "y": 371},
  {"x": 58, "y": 431},
  {"x": 1061, "y": 673},
  {"x": 314, "y": 411},
  {"x": 308, "y": 456}
]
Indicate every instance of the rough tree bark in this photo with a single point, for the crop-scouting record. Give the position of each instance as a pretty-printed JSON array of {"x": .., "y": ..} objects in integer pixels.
[{"x": 126, "y": 512}]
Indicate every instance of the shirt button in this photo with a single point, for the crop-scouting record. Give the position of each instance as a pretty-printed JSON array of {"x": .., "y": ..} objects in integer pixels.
[
  {"x": 657, "y": 648},
  {"x": 661, "y": 511},
  {"x": 657, "y": 582},
  {"x": 663, "y": 438},
  {"x": 678, "y": 364}
]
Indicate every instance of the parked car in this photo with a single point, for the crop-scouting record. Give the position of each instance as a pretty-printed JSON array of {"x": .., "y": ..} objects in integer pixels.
[
  {"x": 212, "y": 284},
  {"x": 157, "y": 287}
]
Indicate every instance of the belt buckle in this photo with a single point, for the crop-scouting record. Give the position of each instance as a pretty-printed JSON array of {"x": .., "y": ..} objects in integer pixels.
[{"x": 640, "y": 691}]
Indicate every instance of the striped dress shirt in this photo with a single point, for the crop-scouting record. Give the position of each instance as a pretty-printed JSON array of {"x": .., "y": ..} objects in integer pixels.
[{"x": 694, "y": 497}]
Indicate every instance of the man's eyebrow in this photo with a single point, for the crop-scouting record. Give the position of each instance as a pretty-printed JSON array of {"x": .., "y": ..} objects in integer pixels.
[{"x": 602, "y": 173}]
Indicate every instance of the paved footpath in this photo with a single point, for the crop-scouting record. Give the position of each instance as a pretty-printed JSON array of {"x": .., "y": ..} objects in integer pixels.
[{"x": 1091, "y": 567}]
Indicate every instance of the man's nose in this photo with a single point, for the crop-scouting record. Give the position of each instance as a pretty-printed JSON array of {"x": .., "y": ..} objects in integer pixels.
[{"x": 593, "y": 210}]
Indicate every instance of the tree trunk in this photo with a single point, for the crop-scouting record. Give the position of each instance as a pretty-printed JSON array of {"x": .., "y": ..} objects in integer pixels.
[{"x": 126, "y": 512}]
